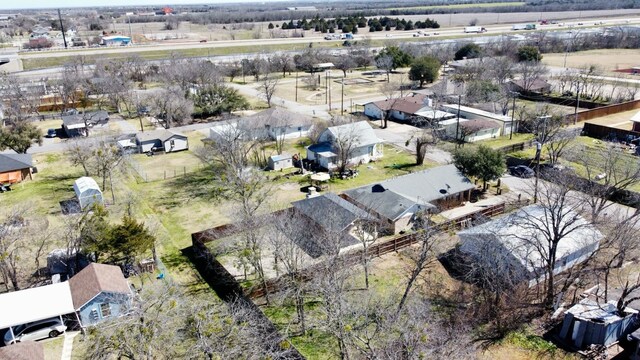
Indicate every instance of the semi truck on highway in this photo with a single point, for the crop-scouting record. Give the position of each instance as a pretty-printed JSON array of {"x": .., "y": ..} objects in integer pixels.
[
  {"x": 474, "y": 29},
  {"x": 347, "y": 36},
  {"x": 524, "y": 27}
]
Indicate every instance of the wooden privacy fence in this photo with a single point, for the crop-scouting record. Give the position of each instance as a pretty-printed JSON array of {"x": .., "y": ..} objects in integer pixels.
[
  {"x": 603, "y": 111},
  {"x": 517, "y": 146},
  {"x": 607, "y": 132},
  {"x": 348, "y": 259}
]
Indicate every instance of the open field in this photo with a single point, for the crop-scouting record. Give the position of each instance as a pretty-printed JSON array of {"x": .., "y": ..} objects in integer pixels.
[
  {"x": 462, "y": 6},
  {"x": 608, "y": 59}
]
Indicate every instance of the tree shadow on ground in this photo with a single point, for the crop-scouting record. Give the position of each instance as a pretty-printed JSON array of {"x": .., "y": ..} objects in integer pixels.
[{"x": 200, "y": 184}]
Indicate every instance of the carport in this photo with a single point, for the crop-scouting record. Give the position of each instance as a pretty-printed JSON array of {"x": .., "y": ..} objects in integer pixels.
[{"x": 29, "y": 305}]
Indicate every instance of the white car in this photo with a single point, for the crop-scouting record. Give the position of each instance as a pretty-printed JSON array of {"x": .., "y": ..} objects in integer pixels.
[{"x": 36, "y": 330}]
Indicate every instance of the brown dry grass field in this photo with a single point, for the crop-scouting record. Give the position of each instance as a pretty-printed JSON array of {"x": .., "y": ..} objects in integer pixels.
[{"x": 608, "y": 59}]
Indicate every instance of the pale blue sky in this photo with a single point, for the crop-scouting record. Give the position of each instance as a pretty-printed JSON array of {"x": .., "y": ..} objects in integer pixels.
[{"x": 34, "y": 4}]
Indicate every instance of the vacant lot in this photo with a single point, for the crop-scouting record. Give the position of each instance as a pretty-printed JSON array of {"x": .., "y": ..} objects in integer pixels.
[{"x": 608, "y": 59}]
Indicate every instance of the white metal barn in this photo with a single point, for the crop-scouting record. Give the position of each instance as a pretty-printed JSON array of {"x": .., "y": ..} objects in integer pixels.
[{"x": 87, "y": 192}]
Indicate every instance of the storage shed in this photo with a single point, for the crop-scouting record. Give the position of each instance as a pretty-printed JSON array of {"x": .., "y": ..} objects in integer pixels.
[
  {"x": 279, "y": 162},
  {"x": 588, "y": 323},
  {"x": 87, "y": 192}
]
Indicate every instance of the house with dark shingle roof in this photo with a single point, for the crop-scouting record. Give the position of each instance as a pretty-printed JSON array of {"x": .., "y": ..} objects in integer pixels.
[
  {"x": 161, "y": 139},
  {"x": 15, "y": 168},
  {"x": 397, "y": 201},
  {"x": 76, "y": 124},
  {"x": 331, "y": 216}
]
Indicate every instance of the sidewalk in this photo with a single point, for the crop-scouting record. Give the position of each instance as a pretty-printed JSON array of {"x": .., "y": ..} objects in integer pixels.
[{"x": 67, "y": 347}]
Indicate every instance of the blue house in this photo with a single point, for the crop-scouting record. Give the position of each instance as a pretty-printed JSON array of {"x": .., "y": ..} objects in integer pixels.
[{"x": 99, "y": 292}]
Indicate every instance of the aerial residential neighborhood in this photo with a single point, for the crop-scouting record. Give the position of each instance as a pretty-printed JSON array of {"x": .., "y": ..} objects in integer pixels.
[{"x": 310, "y": 180}]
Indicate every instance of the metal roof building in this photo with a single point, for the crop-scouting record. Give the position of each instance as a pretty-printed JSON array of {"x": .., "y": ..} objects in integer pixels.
[{"x": 87, "y": 191}]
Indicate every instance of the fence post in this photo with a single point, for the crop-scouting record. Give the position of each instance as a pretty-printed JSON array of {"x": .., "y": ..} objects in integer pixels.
[
  {"x": 165, "y": 174},
  {"x": 184, "y": 171}
]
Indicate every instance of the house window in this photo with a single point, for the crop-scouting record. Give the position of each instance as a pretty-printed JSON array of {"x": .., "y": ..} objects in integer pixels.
[
  {"x": 105, "y": 310},
  {"x": 299, "y": 128},
  {"x": 371, "y": 150},
  {"x": 173, "y": 143}
]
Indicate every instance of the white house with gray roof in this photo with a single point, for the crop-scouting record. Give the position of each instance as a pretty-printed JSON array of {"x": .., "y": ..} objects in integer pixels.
[
  {"x": 517, "y": 243},
  {"x": 397, "y": 201},
  {"x": 161, "y": 139},
  {"x": 357, "y": 139}
]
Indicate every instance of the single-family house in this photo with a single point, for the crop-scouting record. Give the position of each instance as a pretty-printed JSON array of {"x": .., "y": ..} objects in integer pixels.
[
  {"x": 278, "y": 123},
  {"x": 94, "y": 294},
  {"x": 516, "y": 242},
  {"x": 15, "y": 168},
  {"x": 396, "y": 108},
  {"x": 272, "y": 124},
  {"x": 467, "y": 112},
  {"x": 352, "y": 143},
  {"x": 536, "y": 85},
  {"x": 87, "y": 192},
  {"x": 477, "y": 129},
  {"x": 280, "y": 162},
  {"x": 590, "y": 322},
  {"x": 162, "y": 139},
  {"x": 397, "y": 201},
  {"x": 99, "y": 292},
  {"x": 332, "y": 218},
  {"x": 76, "y": 124},
  {"x": 26, "y": 350}
]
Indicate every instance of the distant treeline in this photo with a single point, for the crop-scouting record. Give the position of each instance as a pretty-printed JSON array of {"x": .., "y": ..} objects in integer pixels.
[
  {"x": 275, "y": 12},
  {"x": 352, "y": 23}
]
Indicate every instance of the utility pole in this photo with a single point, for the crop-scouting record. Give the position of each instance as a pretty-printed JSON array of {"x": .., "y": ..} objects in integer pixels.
[
  {"x": 329, "y": 89},
  {"x": 342, "y": 105},
  {"x": 326, "y": 87},
  {"x": 575, "y": 113},
  {"x": 130, "y": 32},
  {"x": 296, "y": 85},
  {"x": 513, "y": 114},
  {"x": 458, "y": 121},
  {"x": 64, "y": 37}
]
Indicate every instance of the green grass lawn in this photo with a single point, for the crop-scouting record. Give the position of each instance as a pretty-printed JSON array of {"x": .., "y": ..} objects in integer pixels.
[
  {"x": 53, "y": 348},
  {"x": 503, "y": 141}
]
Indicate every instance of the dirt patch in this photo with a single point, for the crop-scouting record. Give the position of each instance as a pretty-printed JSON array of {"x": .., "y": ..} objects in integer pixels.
[
  {"x": 608, "y": 59},
  {"x": 354, "y": 81}
]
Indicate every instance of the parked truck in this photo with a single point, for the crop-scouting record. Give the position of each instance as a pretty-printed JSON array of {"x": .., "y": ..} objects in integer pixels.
[
  {"x": 524, "y": 27},
  {"x": 347, "y": 36},
  {"x": 474, "y": 29}
]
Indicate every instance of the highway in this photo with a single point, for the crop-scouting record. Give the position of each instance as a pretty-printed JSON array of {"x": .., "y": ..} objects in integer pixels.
[{"x": 433, "y": 34}]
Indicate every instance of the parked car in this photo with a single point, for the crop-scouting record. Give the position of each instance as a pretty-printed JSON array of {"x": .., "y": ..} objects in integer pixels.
[
  {"x": 36, "y": 330},
  {"x": 51, "y": 133},
  {"x": 522, "y": 171}
]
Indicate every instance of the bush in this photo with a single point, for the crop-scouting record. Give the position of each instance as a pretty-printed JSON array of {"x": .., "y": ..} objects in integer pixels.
[{"x": 469, "y": 51}]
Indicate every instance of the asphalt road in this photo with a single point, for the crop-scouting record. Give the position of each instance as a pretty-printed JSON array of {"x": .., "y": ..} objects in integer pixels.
[{"x": 442, "y": 33}]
